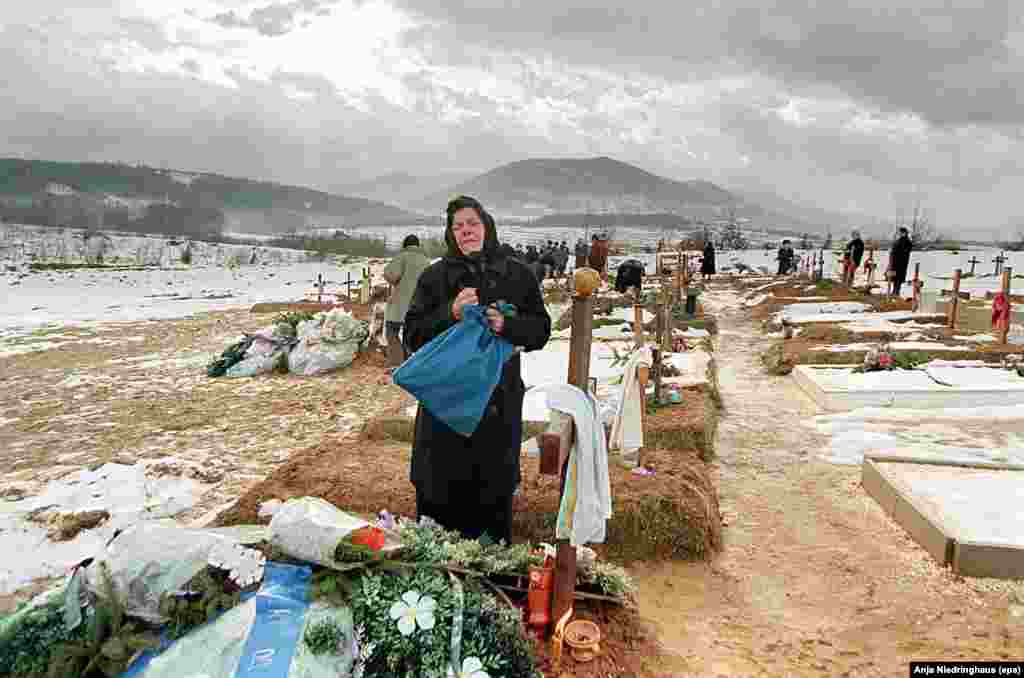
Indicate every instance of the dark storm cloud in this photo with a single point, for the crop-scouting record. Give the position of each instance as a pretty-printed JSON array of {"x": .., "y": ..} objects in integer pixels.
[{"x": 950, "y": 63}]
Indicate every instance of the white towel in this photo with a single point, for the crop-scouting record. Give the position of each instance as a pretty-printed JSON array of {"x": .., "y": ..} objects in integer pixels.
[
  {"x": 588, "y": 457},
  {"x": 627, "y": 427}
]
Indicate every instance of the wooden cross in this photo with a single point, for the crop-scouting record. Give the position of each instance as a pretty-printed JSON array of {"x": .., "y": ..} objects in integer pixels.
[
  {"x": 917, "y": 287},
  {"x": 954, "y": 304},
  {"x": 999, "y": 261},
  {"x": 973, "y": 262},
  {"x": 1004, "y": 328},
  {"x": 557, "y": 441}
]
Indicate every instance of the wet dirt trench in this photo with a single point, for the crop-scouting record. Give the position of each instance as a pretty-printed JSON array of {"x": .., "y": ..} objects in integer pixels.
[{"x": 814, "y": 579}]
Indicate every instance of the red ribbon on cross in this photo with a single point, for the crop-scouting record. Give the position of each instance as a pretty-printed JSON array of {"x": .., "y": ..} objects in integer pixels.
[{"x": 1001, "y": 311}]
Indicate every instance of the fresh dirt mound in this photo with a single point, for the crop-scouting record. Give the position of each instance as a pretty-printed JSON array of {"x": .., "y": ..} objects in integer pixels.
[
  {"x": 358, "y": 475},
  {"x": 690, "y": 425},
  {"x": 670, "y": 514}
]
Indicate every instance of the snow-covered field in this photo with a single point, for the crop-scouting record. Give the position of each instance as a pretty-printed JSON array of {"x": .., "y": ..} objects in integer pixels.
[{"x": 166, "y": 289}]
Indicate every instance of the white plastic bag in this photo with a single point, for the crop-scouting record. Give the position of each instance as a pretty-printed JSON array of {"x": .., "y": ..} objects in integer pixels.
[
  {"x": 310, "y": 529},
  {"x": 326, "y": 343},
  {"x": 258, "y": 363},
  {"x": 148, "y": 560}
]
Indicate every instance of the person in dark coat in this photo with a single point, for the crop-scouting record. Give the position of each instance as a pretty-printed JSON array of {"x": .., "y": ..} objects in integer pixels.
[
  {"x": 599, "y": 256},
  {"x": 899, "y": 260},
  {"x": 549, "y": 259},
  {"x": 466, "y": 484},
  {"x": 854, "y": 253},
  {"x": 582, "y": 252},
  {"x": 707, "y": 264},
  {"x": 786, "y": 258}
]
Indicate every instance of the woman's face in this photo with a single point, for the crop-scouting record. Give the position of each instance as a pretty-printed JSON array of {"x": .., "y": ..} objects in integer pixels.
[{"x": 468, "y": 229}]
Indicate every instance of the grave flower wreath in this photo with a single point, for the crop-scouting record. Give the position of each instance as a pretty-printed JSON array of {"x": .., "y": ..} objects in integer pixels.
[
  {"x": 415, "y": 623},
  {"x": 882, "y": 358},
  {"x": 414, "y": 617}
]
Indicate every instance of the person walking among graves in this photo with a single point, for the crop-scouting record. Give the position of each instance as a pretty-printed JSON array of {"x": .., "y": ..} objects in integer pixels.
[
  {"x": 899, "y": 260},
  {"x": 707, "y": 264},
  {"x": 854, "y": 253},
  {"x": 466, "y": 484},
  {"x": 785, "y": 258},
  {"x": 402, "y": 273},
  {"x": 582, "y": 252}
]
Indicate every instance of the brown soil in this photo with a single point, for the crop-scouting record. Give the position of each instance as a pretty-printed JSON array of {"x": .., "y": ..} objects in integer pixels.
[
  {"x": 356, "y": 474},
  {"x": 629, "y": 647},
  {"x": 673, "y": 513}
]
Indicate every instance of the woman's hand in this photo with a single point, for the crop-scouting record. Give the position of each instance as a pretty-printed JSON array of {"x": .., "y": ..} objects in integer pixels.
[
  {"x": 466, "y": 297},
  {"x": 496, "y": 320}
]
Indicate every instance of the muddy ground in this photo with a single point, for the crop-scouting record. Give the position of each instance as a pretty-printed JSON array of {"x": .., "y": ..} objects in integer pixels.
[{"x": 814, "y": 579}]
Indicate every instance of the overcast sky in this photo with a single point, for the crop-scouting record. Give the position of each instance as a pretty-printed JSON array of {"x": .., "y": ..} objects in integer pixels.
[{"x": 844, "y": 105}]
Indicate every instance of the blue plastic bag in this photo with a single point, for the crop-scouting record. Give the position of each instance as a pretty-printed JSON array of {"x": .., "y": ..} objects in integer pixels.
[{"x": 454, "y": 374}]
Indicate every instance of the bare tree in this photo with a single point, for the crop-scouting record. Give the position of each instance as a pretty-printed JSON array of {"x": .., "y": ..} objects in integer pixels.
[{"x": 922, "y": 230}]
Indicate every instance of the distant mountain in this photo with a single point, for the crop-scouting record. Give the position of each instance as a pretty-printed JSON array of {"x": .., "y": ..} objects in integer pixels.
[
  {"x": 538, "y": 186},
  {"x": 246, "y": 204},
  {"x": 402, "y": 188}
]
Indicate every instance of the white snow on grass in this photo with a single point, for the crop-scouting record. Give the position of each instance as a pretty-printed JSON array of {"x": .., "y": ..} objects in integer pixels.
[{"x": 126, "y": 492}]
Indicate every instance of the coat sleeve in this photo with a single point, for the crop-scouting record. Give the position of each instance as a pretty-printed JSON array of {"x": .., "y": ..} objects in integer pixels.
[
  {"x": 531, "y": 326},
  {"x": 393, "y": 271},
  {"x": 429, "y": 312}
]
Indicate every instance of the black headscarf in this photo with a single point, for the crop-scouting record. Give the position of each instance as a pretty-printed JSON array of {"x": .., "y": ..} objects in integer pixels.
[
  {"x": 491, "y": 245},
  {"x": 471, "y": 270}
]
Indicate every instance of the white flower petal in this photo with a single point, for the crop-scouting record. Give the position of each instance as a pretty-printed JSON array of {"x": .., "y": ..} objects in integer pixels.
[
  {"x": 426, "y": 603},
  {"x": 425, "y": 619},
  {"x": 471, "y": 665},
  {"x": 406, "y": 625},
  {"x": 398, "y": 609},
  {"x": 411, "y": 598}
]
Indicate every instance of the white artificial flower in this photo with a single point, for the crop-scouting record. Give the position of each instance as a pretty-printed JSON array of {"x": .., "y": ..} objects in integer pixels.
[
  {"x": 412, "y": 611},
  {"x": 471, "y": 668}
]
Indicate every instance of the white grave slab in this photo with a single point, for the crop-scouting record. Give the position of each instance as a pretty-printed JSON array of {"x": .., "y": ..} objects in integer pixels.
[{"x": 838, "y": 389}]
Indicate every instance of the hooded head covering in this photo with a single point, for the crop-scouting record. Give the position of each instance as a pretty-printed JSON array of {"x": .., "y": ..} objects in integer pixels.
[{"x": 490, "y": 247}]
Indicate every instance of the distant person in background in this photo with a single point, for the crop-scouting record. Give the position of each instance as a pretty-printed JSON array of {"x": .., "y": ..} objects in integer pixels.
[
  {"x": 786, "y": 257},
  {"x": 899, "y": 259},
  {"x": 599, "y": 256},
  {"x": 582, "y": 252},
  {"x": 707, "y": 264},
  {"x": 402, "y": 273},
  {"x": 563, "y": 258},
  {"x": 531, "y": 254},
  {"x": 854, "y": 253},
  {"x": 547, "y": 258}
]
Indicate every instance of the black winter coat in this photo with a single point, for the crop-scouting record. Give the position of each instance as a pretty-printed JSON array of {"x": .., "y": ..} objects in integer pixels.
[
  {"x": 446, "y": 466},
  {"x": 707, "y": 265},
  {"x": 899, "y": 257},
  {"x": 856, "y": 250}
]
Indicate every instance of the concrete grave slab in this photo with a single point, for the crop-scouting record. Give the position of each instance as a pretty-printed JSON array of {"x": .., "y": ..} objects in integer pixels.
[
  {"x": 967, "y": 515},
  {"x": 838, "y": 389}
]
